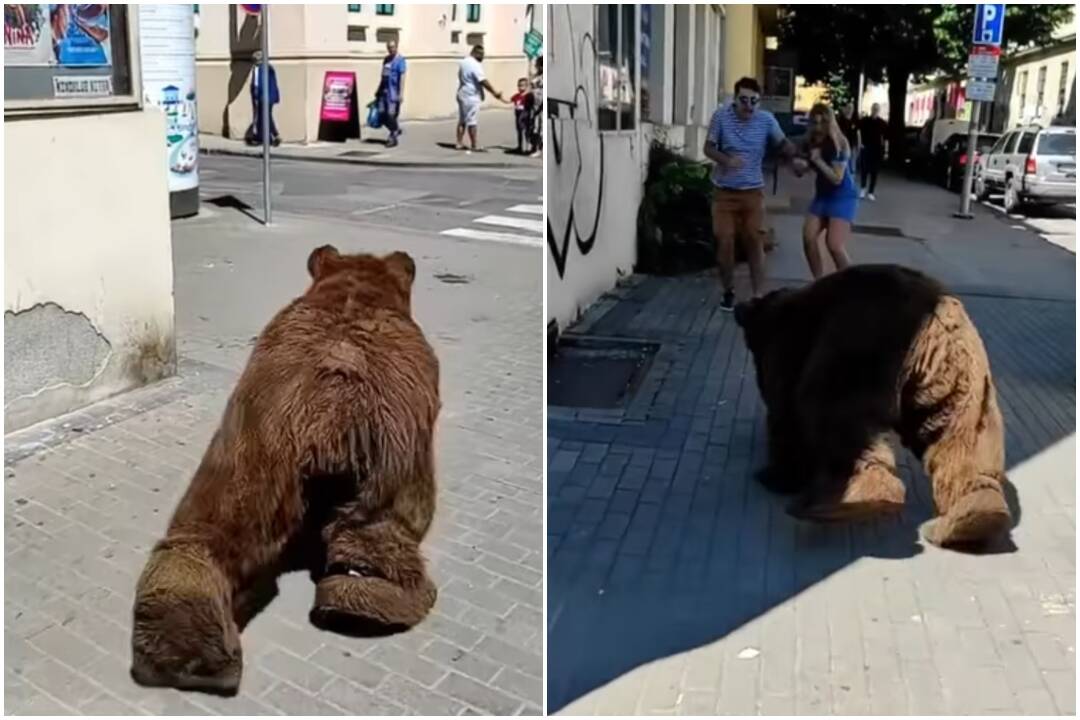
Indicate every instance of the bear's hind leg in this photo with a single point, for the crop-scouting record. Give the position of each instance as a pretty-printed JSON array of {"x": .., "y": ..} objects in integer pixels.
[
  {"x": 184, "y": 633},
  {"x": 966, "y": 465},
  {"x": 375, "y": 581},
  {"x": 873, "y": 488}
]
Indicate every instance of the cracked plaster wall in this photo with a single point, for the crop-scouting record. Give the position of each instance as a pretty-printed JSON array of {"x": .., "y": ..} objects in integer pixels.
[{"x": 87, "y": 261}]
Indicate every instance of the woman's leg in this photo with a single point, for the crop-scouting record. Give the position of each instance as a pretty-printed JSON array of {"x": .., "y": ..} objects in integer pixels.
[
  {"x": 812, "y": 228},
  {"x": 836, "y": 237}
]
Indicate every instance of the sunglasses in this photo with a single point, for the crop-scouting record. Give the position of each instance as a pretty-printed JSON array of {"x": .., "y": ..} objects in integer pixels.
[{"x": 750, "y": 100}]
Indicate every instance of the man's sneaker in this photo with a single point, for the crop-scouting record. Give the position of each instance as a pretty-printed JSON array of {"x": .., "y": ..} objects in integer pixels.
[
  {"x": 728, "y": 303},
  {"x": 862, "y": 193},
  {"x": 871, "y": 196}
]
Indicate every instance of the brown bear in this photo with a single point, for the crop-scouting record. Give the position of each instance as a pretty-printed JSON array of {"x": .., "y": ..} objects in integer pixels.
[
  {"x": 858, "y": 354},
  {"x": 324, "y": 459}
]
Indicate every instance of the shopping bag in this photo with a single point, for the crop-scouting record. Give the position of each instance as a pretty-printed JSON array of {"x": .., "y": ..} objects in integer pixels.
[{"x": 374, "y": 117}]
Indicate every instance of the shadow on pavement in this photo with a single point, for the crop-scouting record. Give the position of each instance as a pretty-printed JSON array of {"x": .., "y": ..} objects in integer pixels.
[{"x": 659, "y": 539}]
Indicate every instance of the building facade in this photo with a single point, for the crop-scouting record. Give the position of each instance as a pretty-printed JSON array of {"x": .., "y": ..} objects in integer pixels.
[
  {"x": 618, "y": 78},
  {"x": 88, "y": 278},
  {"x": 307, "y": 41},
  {"x": 1038, "y": 85}
]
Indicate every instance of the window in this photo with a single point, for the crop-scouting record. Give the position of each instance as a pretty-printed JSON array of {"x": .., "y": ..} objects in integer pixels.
[
  {"x": 1027, "y": 141},
  {"x": 1040, "y": 88},
  {"x": 999, "y": 144},
  {"x": 87, "y": 71},
  {"x": 616, "y": 60},
  {"x": 356, "y": 33},
  {"x": 1010, "y": 142},
  {"x": 353, "y": 8},
  {"x": 1023, "y": 91},
  {"x": 384, "y": 9},
  {"x": 1057, "y": 144},
  {"x": 385, "y": 35},
  {"x": 453, "y": 13},
  {"x": 1063, "y": 88},
  {"x": 472, "y": 13},
  {"x": 455, "y": 37}
]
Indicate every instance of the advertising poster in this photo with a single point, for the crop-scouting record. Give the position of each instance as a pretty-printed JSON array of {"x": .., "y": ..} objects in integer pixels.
[
  {"x": 26, "y": 35},
  {"x": 81, "y": 35},
  {"x": 167, "y": 47},
  {"x": 338, "y": 88}
]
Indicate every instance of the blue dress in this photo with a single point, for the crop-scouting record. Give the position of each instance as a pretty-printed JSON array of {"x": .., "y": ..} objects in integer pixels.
[{"x": 832, "y": 200}]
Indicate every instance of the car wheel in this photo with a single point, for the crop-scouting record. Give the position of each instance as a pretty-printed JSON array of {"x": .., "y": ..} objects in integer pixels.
[
  {"x": 1011, "y": 203},
  {"x": 982, "y": 192}
]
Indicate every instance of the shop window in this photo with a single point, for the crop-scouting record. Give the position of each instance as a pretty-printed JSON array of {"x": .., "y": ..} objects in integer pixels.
[
  {"x": 384, "y": 9},
  {"x": 357, "y": 33},
  {"x": 472, "y": 13},
  {"x": 616, "y": 61},
  {"x": 87, "y": 65}
]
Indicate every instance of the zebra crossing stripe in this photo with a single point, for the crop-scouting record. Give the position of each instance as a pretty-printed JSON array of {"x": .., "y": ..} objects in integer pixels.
[
  {"x": 489, "y": 236},
  {"x": 512, "y": 222},
  {"x": 527, "y": 209}
]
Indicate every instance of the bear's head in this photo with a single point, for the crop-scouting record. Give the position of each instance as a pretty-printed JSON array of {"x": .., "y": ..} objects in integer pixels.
[
  {"x": 385, "y": 281},
  {"x": 761, "y": 322}
]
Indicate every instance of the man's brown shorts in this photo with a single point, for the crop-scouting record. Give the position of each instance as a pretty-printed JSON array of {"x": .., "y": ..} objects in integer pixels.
[{"x": 738, "y": 212}]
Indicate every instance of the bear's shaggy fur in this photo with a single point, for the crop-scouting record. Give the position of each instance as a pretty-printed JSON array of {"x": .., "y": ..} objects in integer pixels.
[
  {"x": 862, "y": 352},
  {"x": 324, "y": 459}
]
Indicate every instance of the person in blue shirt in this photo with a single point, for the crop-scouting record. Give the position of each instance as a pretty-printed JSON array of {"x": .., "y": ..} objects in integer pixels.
[
  {"x": 739, "y": 135},
  {"x": 254, "y": 133},
  {"x": 828, "y": 154},
  {"x": 391, "y": 91}
]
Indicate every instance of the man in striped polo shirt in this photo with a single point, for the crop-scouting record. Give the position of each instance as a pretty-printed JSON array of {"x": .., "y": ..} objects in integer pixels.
[{"x": 739, "y": 135}]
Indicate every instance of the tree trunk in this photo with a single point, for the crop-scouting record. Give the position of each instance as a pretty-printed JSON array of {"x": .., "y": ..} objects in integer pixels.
[{"x": 898, "y": 78}]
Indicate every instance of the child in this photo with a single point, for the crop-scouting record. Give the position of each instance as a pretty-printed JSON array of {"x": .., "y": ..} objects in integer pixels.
[{"x": 523, "y": 101}]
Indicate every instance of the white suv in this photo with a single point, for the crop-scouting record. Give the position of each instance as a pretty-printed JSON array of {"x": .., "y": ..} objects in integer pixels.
[{"x": 1030, "y": 165}]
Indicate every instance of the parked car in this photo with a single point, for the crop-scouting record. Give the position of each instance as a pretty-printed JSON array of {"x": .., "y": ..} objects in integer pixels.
[
  {"x": 951, "y": 159},
  {"x": 931, "y": 137},
  {"x": 1030, "y": 165}
]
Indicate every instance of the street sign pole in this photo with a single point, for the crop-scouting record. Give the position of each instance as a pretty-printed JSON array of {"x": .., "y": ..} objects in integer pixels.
[
  {"x": 969, "y": 167},
  {"x": 264, "y": 121},
  {"x": 986, "y": 38}
]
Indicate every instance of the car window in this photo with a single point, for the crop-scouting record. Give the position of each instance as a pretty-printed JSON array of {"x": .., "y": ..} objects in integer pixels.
[
  {"x": 1027, "y": 141},
  {"x": 999, "y": 144},
  {"x": 1057, "y": 144},
  {"x": 987, "y": 142},
  {"x": 1010, "y": 142}
]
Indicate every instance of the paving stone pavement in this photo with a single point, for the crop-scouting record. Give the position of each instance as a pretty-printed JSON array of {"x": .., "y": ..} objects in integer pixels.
[
  {"x": 677, "y": 585},
  {"x": 87, "y": 495}
]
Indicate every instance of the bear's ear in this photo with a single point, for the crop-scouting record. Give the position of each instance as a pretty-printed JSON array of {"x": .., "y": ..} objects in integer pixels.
[
  {"x": 320, "y": 260},
  {"x": 401, "y": 264}
]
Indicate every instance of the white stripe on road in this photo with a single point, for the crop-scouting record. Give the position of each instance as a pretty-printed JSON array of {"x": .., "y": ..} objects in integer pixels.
[
  {"x": 512, "y": 222},
  {"x": 528, "y": 209},
  {"x": 488, "y": 236}
]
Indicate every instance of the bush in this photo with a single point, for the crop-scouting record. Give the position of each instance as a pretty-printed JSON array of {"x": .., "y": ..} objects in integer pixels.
[{"x": 674, "y": 229}]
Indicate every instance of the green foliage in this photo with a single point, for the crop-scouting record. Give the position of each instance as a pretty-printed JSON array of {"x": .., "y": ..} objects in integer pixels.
[{"x": 675, "y": 216}]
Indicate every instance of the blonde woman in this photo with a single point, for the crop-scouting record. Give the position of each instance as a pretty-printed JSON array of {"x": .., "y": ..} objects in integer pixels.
[{"x": 826, "y": 151}]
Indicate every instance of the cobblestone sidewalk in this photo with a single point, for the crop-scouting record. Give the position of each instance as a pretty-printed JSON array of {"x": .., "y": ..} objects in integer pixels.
[
  {"x": 677, "y": 585},
  {"x": 85, "y": 497}
]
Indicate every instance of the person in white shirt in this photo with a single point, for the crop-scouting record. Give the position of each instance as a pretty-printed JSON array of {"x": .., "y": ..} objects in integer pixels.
[{"x": 471, "y": 85}]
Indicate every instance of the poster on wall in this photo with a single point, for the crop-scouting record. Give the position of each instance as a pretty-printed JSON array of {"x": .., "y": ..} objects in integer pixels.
[
  {"x": 167, "y": 47},
  {"x": 338, "y": 88},
  {"x": 81, "y": 35},
  {"x": 26, "y": 35}
]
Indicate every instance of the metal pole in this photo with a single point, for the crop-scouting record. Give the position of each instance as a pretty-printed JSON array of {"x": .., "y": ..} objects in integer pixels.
[
  {"x": 969, "y": 168},
  {"x": 264, "y": 74}
]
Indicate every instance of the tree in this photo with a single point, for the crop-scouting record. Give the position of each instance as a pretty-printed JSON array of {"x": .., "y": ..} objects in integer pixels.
[{"x": 898, "y": 42}]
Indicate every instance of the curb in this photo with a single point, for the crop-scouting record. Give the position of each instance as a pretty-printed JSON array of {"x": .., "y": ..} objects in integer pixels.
[{"x": 359, "y": 161}]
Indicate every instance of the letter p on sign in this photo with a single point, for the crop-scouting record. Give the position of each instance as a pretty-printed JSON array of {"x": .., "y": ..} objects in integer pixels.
[{"x": 989, "y": 24}]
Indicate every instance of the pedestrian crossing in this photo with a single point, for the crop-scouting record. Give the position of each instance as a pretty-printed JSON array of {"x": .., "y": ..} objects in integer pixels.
[{"x": 516, "y": 225}]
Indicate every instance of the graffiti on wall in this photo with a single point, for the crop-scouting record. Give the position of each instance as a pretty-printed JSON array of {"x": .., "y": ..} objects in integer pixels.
[{"x": 576, "y": 170}]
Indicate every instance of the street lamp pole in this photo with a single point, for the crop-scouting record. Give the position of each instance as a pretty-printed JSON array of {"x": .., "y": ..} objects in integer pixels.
[
  {"x": 969, "y": 167},
  {"x": 264, "y": 121}
]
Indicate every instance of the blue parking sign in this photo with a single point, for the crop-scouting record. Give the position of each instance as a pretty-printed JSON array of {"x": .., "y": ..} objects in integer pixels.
[{"x": 989, "y": 24}]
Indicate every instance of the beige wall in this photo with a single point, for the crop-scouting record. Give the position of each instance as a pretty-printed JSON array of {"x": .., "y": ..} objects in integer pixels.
[
  {"x": 744, "y": 49},
  {"x": 306, "y": 41},
  {"x": 1023, "y": 102},
  {"x": 88, "y": 281}
]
